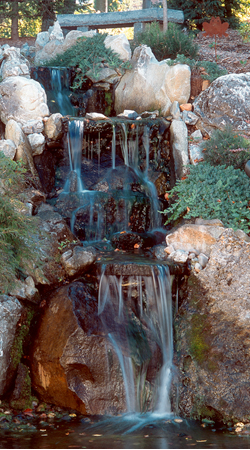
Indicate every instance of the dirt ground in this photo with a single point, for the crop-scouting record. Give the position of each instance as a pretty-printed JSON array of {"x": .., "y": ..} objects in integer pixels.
[{"x": 232, "y": 53}]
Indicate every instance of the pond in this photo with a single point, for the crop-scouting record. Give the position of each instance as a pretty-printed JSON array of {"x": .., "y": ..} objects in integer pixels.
[{"x": 127, "y": 431}]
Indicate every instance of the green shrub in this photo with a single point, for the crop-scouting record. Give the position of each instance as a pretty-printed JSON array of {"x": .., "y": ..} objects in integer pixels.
[
  {"x": 212, "y": 69},
  {"x": 18, "y": 240},
  {"x": 88, "y": 54},
  {"x": 212, "y": 193},
  {"x": 166, "y": 45},
  {"x": 227, "y": 147},
  {"x": 244, "y": 30}
]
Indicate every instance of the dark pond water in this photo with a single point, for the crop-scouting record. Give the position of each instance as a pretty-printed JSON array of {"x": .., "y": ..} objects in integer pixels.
[{"x": 125, "y": 432}]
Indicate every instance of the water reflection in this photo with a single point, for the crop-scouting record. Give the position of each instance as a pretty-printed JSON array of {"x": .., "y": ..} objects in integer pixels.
[{"x": 126, "y": 431}]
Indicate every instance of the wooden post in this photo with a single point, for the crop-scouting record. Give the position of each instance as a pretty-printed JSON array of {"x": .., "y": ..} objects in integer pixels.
[
  {"x": 101, "y": 5},
  {"x": 146, "y": 4}
]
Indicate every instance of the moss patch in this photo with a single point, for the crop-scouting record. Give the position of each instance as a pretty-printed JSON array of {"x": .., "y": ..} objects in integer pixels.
[{"x": 22, "y": 331}]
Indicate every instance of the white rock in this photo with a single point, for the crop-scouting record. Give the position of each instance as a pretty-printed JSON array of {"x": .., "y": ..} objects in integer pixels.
[
  {"x": 37, "y": 143},
  {"x": 33, "y": 126},
  {"x": 120, "y": 45},
  {"x": 196, "y": 135},
  {"x": 96, "y": 116},
  {"x": 73, "y": 35},
  {"x": 41, "y": 40},
  {"x": 22, "y": 99},
  {"x": 151, "y": 85},
  {"x": 179, "y": 256},
  {"x": 14, "y": 64},
  {"x": 203, "y": 259},
  {"x": 53, "y": 126},
  {"x": 56, "y": 33},
  {"x": 8, "y": 147},
  {"x": 179, "y": 143},
  {"x": 195, "y": 154}
]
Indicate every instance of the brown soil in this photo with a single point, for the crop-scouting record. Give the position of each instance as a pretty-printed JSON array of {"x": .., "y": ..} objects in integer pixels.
[{"x": 232, "y": 53}]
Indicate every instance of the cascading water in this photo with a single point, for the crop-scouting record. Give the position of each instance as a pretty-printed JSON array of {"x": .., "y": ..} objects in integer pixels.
[
  {"x": 104, "y": 192},
  {"x": 136, "y": 310}
]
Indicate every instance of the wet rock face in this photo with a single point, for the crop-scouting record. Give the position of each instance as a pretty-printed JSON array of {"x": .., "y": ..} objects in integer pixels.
[
  {"x": 74, "y": 364},
  {"x": 213, "y": 335}
]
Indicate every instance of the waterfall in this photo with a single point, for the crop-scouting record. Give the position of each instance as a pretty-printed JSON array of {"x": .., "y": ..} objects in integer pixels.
[
  {"x": 74, "y": 139},
  {"x": 60, "y": 91},
  {"x": 130, "y": 333}
]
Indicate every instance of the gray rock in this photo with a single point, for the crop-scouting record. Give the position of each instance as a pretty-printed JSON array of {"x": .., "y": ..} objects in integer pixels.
[
  {"x": 224, "y": 103},
  {"x": 189, "y": 118},
  {"x": 179, "y": 143},
  {"x": 175, "y": 111},
  {"x": 216, "y": 314},
  {"x": 10, "y": 313},
  {"x": 37, "y": 143},
  {"x": 26, "y": 290},
  {"x": 78, "y": 260},
  {"x": 195, "y": 154},
  {"x": 33, "y": 126},
  {"x": 196, "y": 135}
]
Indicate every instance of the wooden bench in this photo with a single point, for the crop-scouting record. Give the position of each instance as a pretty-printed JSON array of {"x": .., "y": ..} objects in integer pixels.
[{"x": 136, "y": 19}]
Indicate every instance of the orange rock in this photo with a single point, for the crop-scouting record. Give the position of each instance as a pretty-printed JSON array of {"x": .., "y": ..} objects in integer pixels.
[{"x": 186, "y": 107}]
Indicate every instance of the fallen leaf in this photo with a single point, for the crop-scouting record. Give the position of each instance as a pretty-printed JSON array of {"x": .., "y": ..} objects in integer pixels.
[
  {"x": 137, "y": 246},
  {"x": 188, "y": 209},
  {"x": 166, "y": 196}
]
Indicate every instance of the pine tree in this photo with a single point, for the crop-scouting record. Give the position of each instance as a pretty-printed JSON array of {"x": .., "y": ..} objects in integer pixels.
[{"x": 198, "y": 11}]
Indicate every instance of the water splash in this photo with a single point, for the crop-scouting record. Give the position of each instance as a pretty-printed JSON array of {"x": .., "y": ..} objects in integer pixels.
[{"x": 128, "y": 333}]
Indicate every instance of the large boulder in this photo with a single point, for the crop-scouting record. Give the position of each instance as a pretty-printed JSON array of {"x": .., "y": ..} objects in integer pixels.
[
  {"x": 74, "y": 364},
  {"x": 213, "y": 335},
  {"x": 14, "y": 64},
  {"x": 120, "y": 45},
  {"x": 152, "y": 85},
  {"x": 22, "y": 99},
  {"x": 226, "y": 101},
  {"x": 10, "y": 313}
]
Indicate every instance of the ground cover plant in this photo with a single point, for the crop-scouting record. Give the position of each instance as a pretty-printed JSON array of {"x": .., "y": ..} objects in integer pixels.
[
  {"x": 88, "y": 55},
  {"x": 166, "y": 44},
  {"x": 210, "y": 192},
  {"x": 208, "y": 70},
  {"x": 18, "y": 242},
  {"x": 227, "y": 147}
]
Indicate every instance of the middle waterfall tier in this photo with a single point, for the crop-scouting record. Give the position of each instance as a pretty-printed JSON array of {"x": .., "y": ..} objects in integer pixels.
[{"x": 111, "y": 175}]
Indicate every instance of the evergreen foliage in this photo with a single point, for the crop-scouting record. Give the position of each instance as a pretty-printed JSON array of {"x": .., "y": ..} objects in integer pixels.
[
  {"x": 169, "y": 44},
  {"x": 18, "y": 240},
  {"x": 227, "y": 147},
  {"x": 88, "y": 54},
  {"x": 197, "y": 12},
  {"x": 212, "y": 193}
]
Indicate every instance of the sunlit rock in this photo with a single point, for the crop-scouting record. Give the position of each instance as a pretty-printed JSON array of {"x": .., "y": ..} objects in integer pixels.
[
  {"x": 22, "y": 99},
  {"x": 120, "y": 45},
  {"x": 8, "y": 148},
  {"x": 53, "y": 127},
  {"x": 151, "y": 85},
  {"x": 14, "y": 64},
  {"x": 37, "y": 143}
]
